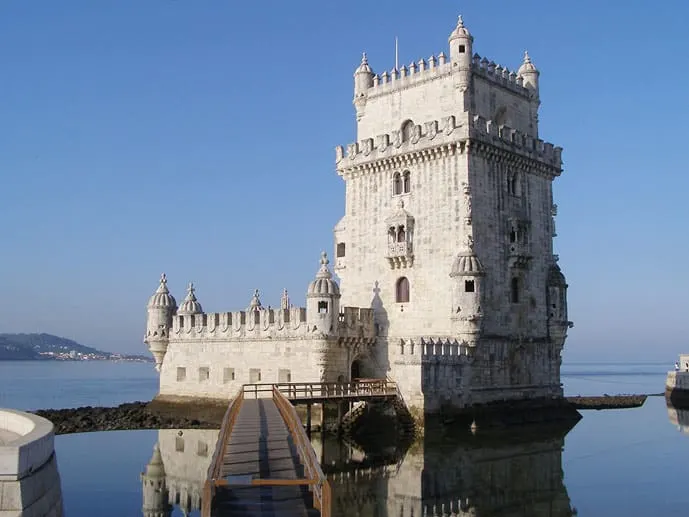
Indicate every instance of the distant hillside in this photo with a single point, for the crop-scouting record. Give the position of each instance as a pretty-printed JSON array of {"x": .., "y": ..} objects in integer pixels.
[{"x": 23, "y": 347}]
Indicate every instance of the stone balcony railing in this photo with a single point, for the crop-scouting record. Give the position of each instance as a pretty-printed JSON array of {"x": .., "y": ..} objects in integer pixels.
[{"x": 400, "y": 254}]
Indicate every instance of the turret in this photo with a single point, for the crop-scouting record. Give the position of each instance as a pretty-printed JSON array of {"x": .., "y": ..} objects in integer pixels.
[
  {"x": 467, "y": 294},
  {"x": 255, "y": 303},
  {"x": 461, "y": 42},
  {"x": 161, "y": 307},
  {"x": 190, "y": 305},
  {"x": 363, "y": 80},
  {"x": 154, "y": 490},
  {"x": 556, "y": 297},
  {"x": 529, "y": 73},
  {"x": 323, "y": 300}
]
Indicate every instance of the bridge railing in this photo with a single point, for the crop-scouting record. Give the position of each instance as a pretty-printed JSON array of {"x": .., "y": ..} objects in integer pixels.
[
  {"x": 317, "y": 480},
  {"x": 215, "y": 468},
  {"x": 325, "y": 390}
]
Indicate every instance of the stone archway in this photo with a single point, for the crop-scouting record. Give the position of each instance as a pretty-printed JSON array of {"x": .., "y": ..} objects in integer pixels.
[{"x": 356, "y": 370}]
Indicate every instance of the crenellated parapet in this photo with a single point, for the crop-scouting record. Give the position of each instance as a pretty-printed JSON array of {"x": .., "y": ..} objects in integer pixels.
[
  {"x": 424, "y": 142},
  {"x": 504, "y": 138},
  {"x": 441, "y": 137},
  {"x": 267, "y": 324},
  {"x": 499, "y": 75},
  {"x": 434, "y": 349}
]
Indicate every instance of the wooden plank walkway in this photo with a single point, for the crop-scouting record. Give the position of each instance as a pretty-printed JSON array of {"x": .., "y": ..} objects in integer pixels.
[{"x": 260, "y": 446}]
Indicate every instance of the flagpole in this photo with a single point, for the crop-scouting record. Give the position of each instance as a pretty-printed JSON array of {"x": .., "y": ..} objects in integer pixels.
[{"x": 397, "y": 64}]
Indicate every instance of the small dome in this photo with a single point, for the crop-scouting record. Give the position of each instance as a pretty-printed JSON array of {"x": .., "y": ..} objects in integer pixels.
[
  {"x": 190, "y": 305},
  {"x": 555, "y": 277},
  {"x": 162, "y": 297},
  {"x": 467, "y": 264},
  {"x": 255, "y": 303},
  {"x": 527, "y": 66},
  {"x": 364, "y": 68},
  {"x": 324, "y": 285},
  {"x": 460, "y": 31}
]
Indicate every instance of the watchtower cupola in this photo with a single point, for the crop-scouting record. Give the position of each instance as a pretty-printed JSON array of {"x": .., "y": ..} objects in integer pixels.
[
  {"x": 363, "y": 80},
  {"x": 467, "y": 294},
  {"x": 161, "y": 307},
  {"x": 323, "y": 300},
  {"x": 529, "y": 73},
  {"x": 556, "y": 297},
  {"x": 190, "y": 305}
]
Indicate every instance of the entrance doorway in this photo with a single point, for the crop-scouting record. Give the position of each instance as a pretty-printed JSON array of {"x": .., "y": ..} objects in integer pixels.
[{"x": 356, "y": 370}]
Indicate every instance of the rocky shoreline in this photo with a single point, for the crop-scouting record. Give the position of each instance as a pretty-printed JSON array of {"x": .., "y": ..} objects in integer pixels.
[
  {"x": 156, "y": 415},
  {"x": 125, "y": 417},
  {"x": 608, "y": 401}
]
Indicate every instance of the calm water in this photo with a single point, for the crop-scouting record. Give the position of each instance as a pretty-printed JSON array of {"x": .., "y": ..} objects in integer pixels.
[{"x": 612, "y": 463}]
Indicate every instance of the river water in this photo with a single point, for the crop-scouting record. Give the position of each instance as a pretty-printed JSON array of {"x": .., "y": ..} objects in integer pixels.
[{"x": 630, "y": 462}]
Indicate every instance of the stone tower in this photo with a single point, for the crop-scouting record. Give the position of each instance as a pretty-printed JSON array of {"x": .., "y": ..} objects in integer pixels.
[
  {"x": 154, "y": 490},
  {"x": 323, "y": 300},
  {"x": 161, "y": 308},
  {"x": 449, "y": 218}
]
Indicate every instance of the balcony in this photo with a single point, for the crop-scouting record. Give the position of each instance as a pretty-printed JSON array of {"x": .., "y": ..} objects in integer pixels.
[{"x": 400, "y": 255}]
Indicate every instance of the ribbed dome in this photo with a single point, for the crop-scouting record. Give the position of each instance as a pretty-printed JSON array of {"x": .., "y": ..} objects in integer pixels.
[
  {"x": 363, "y": 67},
  {"x": 555, "y": 277},
  {"x": 460, "y": 31},
  {"x": 255, "y": 303},
  {"x": 467, "y": 264},
  {"x": 162, "y": 297},
  {"x": 190, "y": 305},
  {"x": 527, "y": 65},
  {"x": 323, "y": 285}
]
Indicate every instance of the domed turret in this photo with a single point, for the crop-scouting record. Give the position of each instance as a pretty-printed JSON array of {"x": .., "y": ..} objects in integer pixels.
[
  {"x": 190, "y": 305},
  {"x": 461, "y": 44},
  {"x": 467, "y": 292},
  {"x": 161, "y": 307},
  {"x": 363, "y": 80},
  {"x": 255, "y": 303},
  {"x": 323, "y": 299},
  {"x": 529, "y": 73},
  {"x": 154, "y": 490},
  {"x": 558, "y": 322}
]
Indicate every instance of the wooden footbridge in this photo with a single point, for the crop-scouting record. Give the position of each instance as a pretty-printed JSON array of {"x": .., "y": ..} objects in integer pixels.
[{"x": 264, "y": 463}]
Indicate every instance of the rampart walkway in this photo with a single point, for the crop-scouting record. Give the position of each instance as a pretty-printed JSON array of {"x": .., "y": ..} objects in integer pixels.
[{"x": 264, "y": 463}]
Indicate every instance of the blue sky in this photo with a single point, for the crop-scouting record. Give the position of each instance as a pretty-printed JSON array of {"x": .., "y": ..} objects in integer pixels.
[{"x": 197, "y": 138}]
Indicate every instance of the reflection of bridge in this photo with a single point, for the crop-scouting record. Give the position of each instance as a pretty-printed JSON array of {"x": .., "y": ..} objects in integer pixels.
[{"x": 264, "y": 458}]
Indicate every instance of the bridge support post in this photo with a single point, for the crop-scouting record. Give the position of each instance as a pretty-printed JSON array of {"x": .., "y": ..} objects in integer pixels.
[
  {"x": 340, "y": 414},
  {"x": 308, "y": 419}
]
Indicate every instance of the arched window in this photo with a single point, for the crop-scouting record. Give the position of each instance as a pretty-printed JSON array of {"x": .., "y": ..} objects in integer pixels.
[
  {"x": 402, "y": 290},
  {"x": 514, "y": 291},
  {"x": 406, "y": 182},
  {"x": 407, "y": 128},
  {"x": 397, "y": 184},
  {"x": 401, "y": 235}
]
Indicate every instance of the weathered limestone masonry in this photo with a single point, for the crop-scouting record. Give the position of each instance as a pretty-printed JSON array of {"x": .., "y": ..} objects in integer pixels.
[
  {"x": 677, "y": 383},
  {"x": 449, "y": 284},
  {"x": 448, "y": 229}
]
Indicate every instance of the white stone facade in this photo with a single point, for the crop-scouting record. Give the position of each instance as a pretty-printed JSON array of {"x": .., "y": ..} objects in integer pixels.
[{"x": 446, "y": 245}]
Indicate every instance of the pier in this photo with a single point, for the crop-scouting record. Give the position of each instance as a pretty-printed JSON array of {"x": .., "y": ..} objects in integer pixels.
[{"x": 264, "y": 463}]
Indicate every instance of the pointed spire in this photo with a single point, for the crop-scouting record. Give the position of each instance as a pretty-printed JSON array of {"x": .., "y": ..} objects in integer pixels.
[
  {"x": 162, "y": 288},
  {"x": 527, "y": 65},
  {"x": 284, "y": 301},
  {"x": 460, "y": 30},
  {"x": 324, "y": 271},
  {"x": 364, "y": 67},
  {"x": 162, "y": 296}
]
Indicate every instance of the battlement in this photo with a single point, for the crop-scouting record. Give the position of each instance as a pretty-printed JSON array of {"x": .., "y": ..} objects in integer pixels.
[
  {"x": 435, "y": 134},
  {"x": 500, "y": 75},
  {"x": 516, "y": 141},
  {"x": 431, "y": 135},
  {"x": 267, "y": 323},
  {"x": 436, "y": 349},
  {"x": 439, "y": 66},
  {"x": 408, "y": 76}
]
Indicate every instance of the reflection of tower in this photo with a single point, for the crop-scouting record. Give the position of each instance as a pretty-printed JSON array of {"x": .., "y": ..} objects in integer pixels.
[{"x": 155, "y": 494}]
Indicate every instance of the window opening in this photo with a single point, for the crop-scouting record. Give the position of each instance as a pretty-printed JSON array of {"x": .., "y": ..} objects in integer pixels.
[
  {"x": 514, "y": 295},
  {"x": 402, "y": 290},
  {"x": 322, "y": 307},
  {"x": 469, "y": 286},
  {"x": 340, "y": 249},
  {"x": 397, "y": 184}
]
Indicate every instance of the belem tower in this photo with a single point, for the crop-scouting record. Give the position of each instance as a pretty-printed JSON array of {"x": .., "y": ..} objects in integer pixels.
[{"x": 448, "y": 283}]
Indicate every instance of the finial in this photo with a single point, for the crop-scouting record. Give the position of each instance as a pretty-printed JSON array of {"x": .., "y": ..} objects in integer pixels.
[
  {"x": 190, "y": 288},
  {"x": 470, "y": 242},
  {"x": 324, "y": 259},
  {"x": 163, "y": 279},
  {"x": 460, "y": 22},
  {"x": 527, "y": 59},
  {"x": 364, "y": 59}
]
